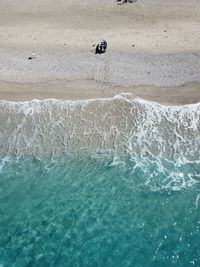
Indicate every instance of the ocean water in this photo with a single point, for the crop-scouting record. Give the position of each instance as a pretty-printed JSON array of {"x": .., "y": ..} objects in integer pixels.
[{"x": 111, "y": 182}]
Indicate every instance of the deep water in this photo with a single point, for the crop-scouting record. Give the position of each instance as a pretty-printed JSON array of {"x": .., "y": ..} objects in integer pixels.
[{"x": 99, "y": 212}]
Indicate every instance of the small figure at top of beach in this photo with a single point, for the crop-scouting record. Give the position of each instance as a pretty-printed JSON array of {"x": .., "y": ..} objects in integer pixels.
[
  {"x": 126, "y": 1},
  {"x": 101, "y": 47}
]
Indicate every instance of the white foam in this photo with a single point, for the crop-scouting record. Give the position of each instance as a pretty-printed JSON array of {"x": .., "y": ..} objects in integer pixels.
[{"x": 123, "y": 123}]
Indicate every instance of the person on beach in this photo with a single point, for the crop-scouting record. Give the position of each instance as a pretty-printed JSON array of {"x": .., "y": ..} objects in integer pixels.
[
  {"x": 101, "y": 47},
  {"x": 127, "y": 1}
]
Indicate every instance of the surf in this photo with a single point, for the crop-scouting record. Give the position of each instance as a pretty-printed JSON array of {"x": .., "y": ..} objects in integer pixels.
[
  {"x": 99, "y": 182},
  {"x": 123, "y": 124}
]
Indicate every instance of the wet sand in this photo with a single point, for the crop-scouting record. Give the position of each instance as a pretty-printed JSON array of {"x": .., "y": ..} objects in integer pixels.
[
  {"x": 153, "y": 50},
  {"x": 91, "y": 89}
]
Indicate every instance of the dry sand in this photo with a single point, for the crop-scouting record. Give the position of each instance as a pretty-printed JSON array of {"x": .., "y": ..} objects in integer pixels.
[{"x": 163, "y": 65}]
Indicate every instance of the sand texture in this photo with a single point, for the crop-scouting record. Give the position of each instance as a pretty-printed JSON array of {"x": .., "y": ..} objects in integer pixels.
[{"x": 153, "y": 49}]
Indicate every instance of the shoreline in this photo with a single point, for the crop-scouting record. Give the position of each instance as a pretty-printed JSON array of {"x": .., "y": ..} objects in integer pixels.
[{"x": 90, "y": 89}]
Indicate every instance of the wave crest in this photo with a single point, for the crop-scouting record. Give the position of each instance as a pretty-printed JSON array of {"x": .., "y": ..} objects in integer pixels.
[{"x": 121, "y": 125}]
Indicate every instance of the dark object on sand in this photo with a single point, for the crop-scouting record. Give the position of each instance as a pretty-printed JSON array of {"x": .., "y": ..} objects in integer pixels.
[
  {"x": 33, "y": 56},
  {"x": 101, "y": 47},
  {"x": 126, "y": 1}
]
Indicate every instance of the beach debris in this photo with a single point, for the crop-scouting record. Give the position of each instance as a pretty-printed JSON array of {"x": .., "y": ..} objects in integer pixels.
[
  {"x": 33, "y": 56},
  {"x": 101, "y": 47},
  {"x": 133, "y": 45},
  {"x": 126, "y": 1},
  {"x": 93, "y": 45}
]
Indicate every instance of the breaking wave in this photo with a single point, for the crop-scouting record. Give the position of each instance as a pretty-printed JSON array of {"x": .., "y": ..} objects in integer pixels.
[
  {"x": 163, "y": 142},
  {"x": 120, "y": 125},
  {"x": 99, "y": 183}
]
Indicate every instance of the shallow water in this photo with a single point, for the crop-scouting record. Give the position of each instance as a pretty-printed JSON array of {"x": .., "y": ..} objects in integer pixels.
[
  {"x": 123, "y": 124},
  {"x": 88, "y": 213},
  {"x": 99, "y": 183}
]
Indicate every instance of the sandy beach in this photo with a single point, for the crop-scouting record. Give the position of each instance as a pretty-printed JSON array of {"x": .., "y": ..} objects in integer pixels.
[
  {"x": 153, "y": 50},
  {"x": 99, "y": 153}
]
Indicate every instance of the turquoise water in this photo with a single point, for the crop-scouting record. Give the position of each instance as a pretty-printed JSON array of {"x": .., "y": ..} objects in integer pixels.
[
  {"x": 105, "y": 182},
  {"x": 96, "y": 212}
]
